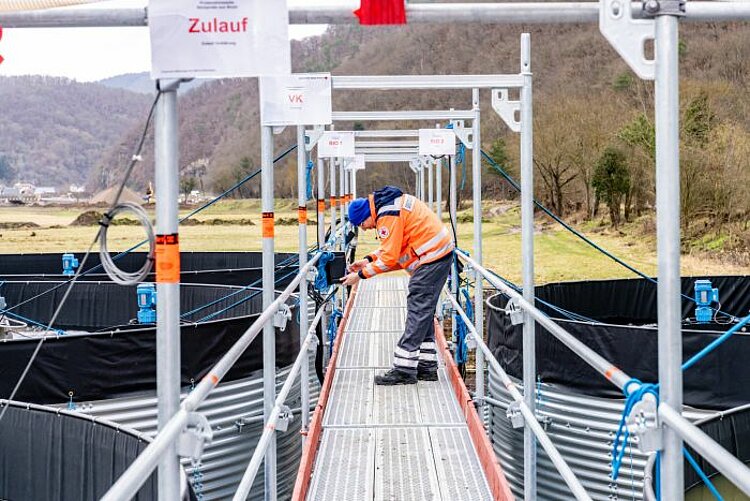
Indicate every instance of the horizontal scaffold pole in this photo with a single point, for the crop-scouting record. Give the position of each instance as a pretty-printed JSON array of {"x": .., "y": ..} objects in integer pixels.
[{"x": 438, "y": 13}]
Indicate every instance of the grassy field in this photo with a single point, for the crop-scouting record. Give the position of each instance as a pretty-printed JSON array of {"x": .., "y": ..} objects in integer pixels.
[{"x": 559, "y": 255}]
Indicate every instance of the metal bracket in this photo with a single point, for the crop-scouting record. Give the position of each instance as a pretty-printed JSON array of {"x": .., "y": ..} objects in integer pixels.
[
  {"x": 414, "y": 165},
  {"x": 313, "y": 136},
  {"x": 506, "y": 109},
  {"x": 514, "y": 312},
  {"x": 514, "y": 415},
  {"x": 313, "y": 346},
  {"x": 278, "y": 129},
  {"x": 627, "y": 35},
  {"x": 425, "y": 162},
  {"x": 285, "y": 417},
  {"x": 643, "y": 422},
  {"x": 282, "y": 316},
  {"x": 312, "y": 275},
  {"x": 195, "y": 436},
  {"x": 466, "y": 136},
  {"x": 471, "y": 342},
  {"x": 545, "y": 421}
]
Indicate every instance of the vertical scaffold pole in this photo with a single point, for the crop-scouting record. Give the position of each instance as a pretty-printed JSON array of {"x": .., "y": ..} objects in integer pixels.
[
  {"x": 431, "y": 184},
  {"x": 303, "y": 317},
  {"x": 476, "y": 165},
  {"x": 354, "y": 184},
  {"x": 416, "y": 184},
  {"x": 453, "y": 186},
  {"x": 668, "y": 244},
  {"x": 439, "y": 184},
  {"x": 342, "y": 216},
  {"x": 527, "y": 251},
  {"x": 422, "y": 191},
  {"x": 166, "y": 142},
  {"x": 269, "y": 332},
  {"x": 334, "y": 197},
  {"x": 322, "y": 239}
]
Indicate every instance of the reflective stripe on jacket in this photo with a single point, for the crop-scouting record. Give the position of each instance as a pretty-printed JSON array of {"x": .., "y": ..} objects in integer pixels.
[{"x": 410, "y": 235}]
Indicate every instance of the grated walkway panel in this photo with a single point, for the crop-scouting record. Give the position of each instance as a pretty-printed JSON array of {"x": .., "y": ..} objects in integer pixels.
[{"x": 391, "y": 443}]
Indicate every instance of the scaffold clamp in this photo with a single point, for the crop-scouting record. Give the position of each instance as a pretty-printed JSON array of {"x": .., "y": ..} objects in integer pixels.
[
  {"x": 514, "y": 312},
  {"x": 643, "y": 423},
  {"x": 282, "y": 316},
  {"x": 196, "y": 435},
  {"x": 285, "y": 417},
  {"x": 313, "y": 346},
  {"x": 514, "y": 415}
]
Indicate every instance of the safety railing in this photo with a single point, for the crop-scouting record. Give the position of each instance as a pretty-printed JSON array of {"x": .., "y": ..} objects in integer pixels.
[
  {"x": 518, "y": 404},
  {"x": 139, "y": 471},
  {"x": 731, "y": 467},
  {"x": 270, "y": 427}
]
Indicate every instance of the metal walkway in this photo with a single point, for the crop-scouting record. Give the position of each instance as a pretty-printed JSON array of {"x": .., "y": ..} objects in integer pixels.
[{"x": 390, "y": 443}]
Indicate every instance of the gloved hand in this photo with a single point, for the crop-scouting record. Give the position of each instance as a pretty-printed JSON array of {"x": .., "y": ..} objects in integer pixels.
[
  {"x": 358, "y": 265},
  {"x": 350, "y": 280}
]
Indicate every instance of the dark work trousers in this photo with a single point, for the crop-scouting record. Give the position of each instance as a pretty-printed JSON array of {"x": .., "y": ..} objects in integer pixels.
[{"x": 416, "y": 348}]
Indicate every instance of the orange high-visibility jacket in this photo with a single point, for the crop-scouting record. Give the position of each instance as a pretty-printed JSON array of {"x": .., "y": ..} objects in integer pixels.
[{"x": 410, "y": 235}]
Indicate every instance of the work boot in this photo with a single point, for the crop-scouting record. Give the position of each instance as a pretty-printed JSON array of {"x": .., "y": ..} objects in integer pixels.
[
  {"x": 394, "y": 377},
  {"x": 427, "y": 374}
]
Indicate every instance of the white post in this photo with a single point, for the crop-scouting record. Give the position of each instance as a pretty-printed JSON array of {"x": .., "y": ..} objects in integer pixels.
[
  {"x": 527, "y": 249},
  {"x": 269, "y": 332},
  {"x": 476, "y": 164},
  {"x": 303, "y": 318},
  {"x": 439, "y": 184},
  {"x": 431, "y": 184},
  {"x": 166, "y": 146},
  {"x": 667, "y": 115},
  {"x": 453, "y": 186}
]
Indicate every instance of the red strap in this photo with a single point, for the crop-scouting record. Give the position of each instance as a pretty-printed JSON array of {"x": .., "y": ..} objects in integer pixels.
[{"x": 372, "y": 12}]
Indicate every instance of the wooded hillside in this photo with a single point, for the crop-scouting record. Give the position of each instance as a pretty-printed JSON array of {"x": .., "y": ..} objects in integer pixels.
[{"x": 53, "y": 130}]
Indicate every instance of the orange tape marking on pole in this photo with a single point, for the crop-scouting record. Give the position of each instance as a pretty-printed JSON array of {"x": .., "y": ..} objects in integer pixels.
[
  {"x": 321, "y": 205},
  {"x": 302, "y": 214},
  {"x": 267, "y": 225},
  {"x": 167, "y": 253}
]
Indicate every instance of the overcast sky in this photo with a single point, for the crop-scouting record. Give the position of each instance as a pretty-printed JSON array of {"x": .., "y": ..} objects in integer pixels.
[{"x": 87, "y": 54}]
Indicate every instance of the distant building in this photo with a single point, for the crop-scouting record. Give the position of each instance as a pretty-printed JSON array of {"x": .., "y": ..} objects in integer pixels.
[{"x": 41, "y": 191}]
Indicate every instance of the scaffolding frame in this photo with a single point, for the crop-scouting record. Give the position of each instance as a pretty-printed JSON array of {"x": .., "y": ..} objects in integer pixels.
[{"x": 660, "y": 23}]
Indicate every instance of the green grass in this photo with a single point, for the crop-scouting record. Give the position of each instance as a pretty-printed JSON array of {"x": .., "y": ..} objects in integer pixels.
[{"x": 558, "y": 254}]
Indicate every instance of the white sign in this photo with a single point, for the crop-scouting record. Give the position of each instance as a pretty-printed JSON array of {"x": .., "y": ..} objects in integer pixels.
[
  {"x": 355, "y": 163},
  {"x": 219, "y": 38},
  {"x": 296, "y": 100},
  {"x": 437, "y": 142},
  {"x": 336, "y": 144}
]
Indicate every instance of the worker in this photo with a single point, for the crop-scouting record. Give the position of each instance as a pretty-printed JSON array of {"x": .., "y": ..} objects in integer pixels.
[{"x": 412, "y": 238}]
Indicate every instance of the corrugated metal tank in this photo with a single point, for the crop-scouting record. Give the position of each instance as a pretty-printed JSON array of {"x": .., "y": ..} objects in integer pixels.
[
  {"x": 235, "y": 411},
  {"x": 582, "y": 428}
]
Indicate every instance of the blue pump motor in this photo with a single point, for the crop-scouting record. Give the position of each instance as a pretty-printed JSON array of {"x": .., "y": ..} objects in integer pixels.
[
  {"x": 705, "y": 295},
  {"x": 146, "y": 303},
  {"x": 69, "y": 264}
]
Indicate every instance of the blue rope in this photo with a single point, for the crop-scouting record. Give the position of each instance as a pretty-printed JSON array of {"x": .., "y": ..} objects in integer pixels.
[
  {"x": 332, "y": 328},
  {"x": 322, "y": 284},
  {"x": 714, "y": 344},
  {"x": 241, "y": 301},
  {"x": 284, "y": 264},
  {"x": 621, "y": 438},
  {"x": 461, "y": 160},
  {"x": 702, "y": 474},
  {"x": 310, "y": 166}
]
